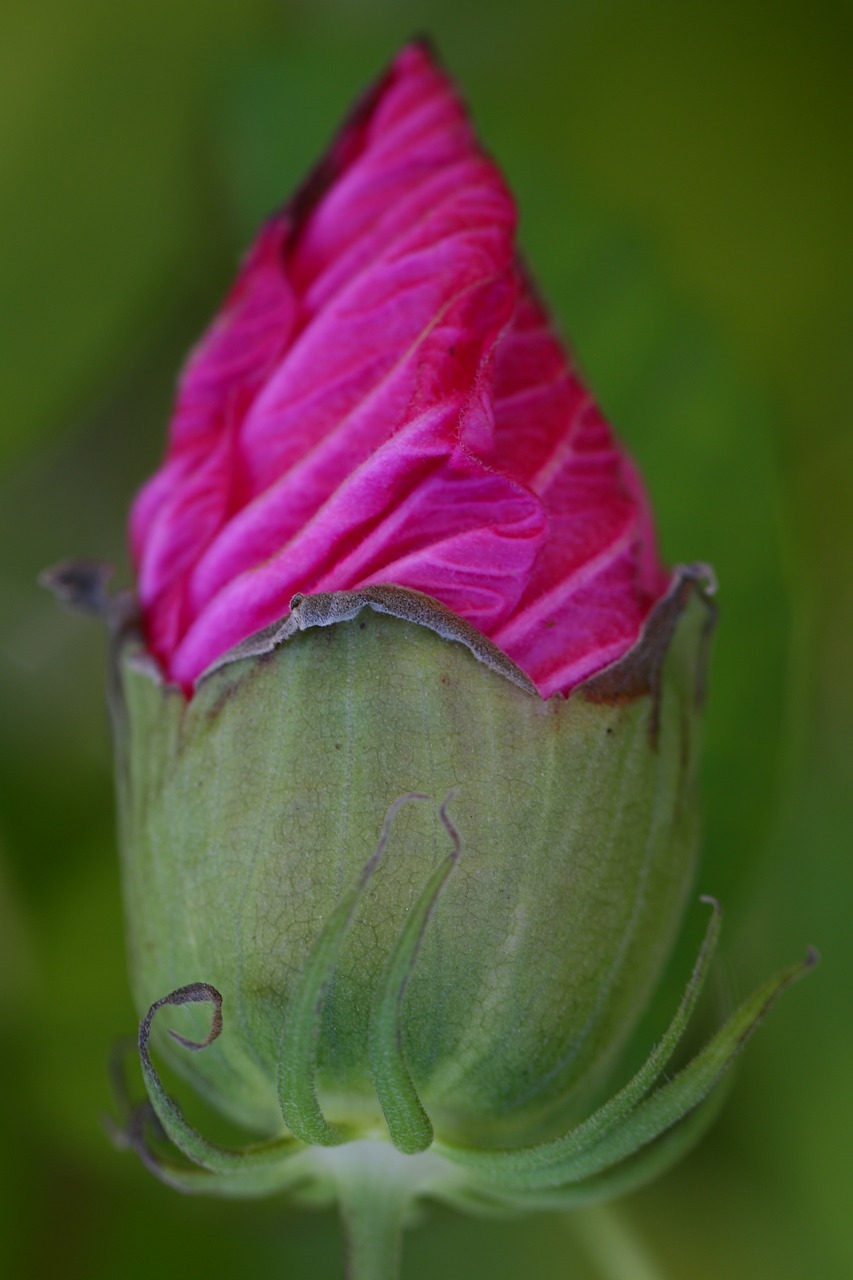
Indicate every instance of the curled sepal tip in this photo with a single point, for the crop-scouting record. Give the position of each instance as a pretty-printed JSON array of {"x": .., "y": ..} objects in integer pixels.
[
  {"x": 408, "y": 1123},
  {"x": 187, "y": 1139}
]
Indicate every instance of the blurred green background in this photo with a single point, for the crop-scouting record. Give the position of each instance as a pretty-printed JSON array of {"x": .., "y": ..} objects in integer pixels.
[{"x": 683, "y": 173}]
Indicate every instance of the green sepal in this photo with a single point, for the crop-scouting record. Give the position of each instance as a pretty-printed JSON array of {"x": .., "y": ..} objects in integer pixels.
[
  {"x": 209, "y": 1155},
  {"x": 622, "y": 1179},
  {"x": 553, "y": 1164},
  {"x": 297, "y": 1064},
  {"x": 408, "y": 1123},
  {"x": 669, "y": 1104},
  {"x": 616, "y": 1109},
  {"x": 143, "y": 1134}
]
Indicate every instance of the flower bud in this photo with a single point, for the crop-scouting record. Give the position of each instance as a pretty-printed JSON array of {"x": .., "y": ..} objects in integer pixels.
[
  {"x": 406, "y": 715},
  {"x": 567, "y": 827}
]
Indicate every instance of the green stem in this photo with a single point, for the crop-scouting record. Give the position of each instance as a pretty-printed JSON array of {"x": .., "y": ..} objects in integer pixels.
[
  {"x": 373, "y": 1203},
  {"x": 612, "y": 1246}
]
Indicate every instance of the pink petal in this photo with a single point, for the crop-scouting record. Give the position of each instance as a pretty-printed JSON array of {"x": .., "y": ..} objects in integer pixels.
[
  {"x": 399, "y": 279},
  {"x": 177, "y": 514},
  {"x": 382, "y": 398},
  {"x": 598, "y": 575}
]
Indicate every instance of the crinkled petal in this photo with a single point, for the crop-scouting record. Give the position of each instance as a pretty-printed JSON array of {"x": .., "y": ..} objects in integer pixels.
[
  {"x": 413, "y": 514},
  {"x": 400, "y": 277},
  {"x": 179, "y": 512},
  {"x": 598, "y": 575},
  {"x": 415, "y": 407},
  {"x": 383, "y": 398}
]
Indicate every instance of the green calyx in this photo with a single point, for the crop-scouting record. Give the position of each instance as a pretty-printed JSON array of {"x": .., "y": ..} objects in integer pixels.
[
  {"x": 421, "y": 909},
  {"x": 253, "y": 860}
]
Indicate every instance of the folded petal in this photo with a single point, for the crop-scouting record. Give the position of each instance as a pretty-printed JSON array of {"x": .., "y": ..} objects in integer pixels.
[
  {"x": 182, "y": 508},
  {"x": 598, "y": 574},
  {"x": 340, "y": 375},
  {"x": 383, "y": 399},
  {"x": 416, "y": 512}
]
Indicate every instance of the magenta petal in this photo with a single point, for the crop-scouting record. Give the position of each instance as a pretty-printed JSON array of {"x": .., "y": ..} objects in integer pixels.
[
  {"x": 181, "y": 509},
  {"x": 383, "y": 398},
  {"x": 418, "y": 405},
  {"x": 598, "y": 575},
  {"x": 411, "y": 514}
]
